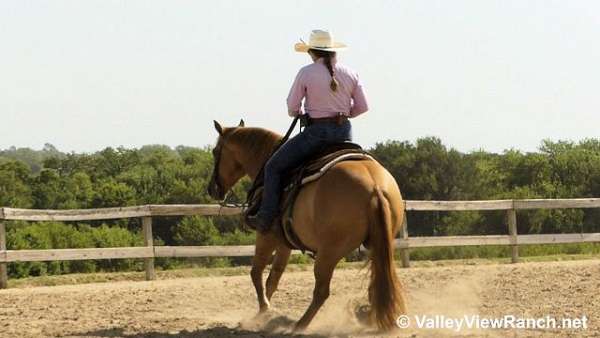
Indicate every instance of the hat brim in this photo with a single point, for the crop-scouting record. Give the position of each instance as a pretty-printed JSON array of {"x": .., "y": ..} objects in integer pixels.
[{"x": 302, "y": 47}]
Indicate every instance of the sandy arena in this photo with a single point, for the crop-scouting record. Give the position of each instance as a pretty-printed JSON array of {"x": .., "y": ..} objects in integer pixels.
[{"x": 226, "y": 306}]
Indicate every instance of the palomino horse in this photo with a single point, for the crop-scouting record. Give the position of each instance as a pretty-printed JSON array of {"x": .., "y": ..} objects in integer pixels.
[{"x": 354, "y": 202}]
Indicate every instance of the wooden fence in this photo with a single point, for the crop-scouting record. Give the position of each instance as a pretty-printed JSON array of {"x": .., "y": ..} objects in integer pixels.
[{"x": 148, "y": 252}]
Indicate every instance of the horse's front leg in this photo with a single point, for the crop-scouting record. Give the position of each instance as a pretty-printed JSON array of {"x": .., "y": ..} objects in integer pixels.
[
  {"x": 265, "y": 245},
  {"x": 280, "y": 261}
]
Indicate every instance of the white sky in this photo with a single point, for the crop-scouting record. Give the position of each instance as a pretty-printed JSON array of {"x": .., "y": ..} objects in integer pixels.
[{"x": 84, "y": 75}]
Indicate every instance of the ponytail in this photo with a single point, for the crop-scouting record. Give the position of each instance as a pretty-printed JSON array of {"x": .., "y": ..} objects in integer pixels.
[
  {"x": 327, "y": 56},
  {"x": 333, "y": 84}
]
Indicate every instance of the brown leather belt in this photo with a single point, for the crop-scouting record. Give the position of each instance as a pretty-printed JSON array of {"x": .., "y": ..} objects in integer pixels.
[{"x": 335, "y": 119}]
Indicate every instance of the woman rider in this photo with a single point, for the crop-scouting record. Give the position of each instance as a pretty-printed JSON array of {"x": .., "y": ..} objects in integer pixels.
[{"x": 332, "y": 94}]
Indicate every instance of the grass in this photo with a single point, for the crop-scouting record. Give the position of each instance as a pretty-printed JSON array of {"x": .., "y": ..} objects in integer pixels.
[
  {"x": 102, "y": 277},
  {"x": 495, "y": 251}
]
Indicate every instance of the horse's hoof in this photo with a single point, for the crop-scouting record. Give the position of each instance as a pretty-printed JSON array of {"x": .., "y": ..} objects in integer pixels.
[
  {"x": 262, "y": 313},
  {"x": 298, "y": 328},
  {"x": 362, "y": 314}
]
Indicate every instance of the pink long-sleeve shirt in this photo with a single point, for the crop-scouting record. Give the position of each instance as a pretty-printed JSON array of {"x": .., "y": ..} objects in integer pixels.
[{"x": 313, "y": 85}]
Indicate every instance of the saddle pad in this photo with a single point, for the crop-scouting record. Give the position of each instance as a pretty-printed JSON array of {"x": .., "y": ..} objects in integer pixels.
[{"x": 328, "y": 165}]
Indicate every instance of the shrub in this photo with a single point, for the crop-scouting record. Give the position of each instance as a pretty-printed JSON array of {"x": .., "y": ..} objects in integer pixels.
[
  {"x": 196, "y": 230},
  {"x": 56, "y": 235}
]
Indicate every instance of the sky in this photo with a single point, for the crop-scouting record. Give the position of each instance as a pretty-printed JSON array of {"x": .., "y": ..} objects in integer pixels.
[{"x": 478, "y": 74}]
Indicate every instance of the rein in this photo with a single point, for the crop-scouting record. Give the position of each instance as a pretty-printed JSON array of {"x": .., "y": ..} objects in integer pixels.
[{"x": 288, "y": 133}]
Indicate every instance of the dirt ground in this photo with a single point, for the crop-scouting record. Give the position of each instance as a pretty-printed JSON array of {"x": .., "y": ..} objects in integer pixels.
[{"x": 226, "y": 306}]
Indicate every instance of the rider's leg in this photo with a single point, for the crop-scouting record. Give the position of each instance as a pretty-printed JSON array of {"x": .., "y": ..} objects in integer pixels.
[{"x": 291, "y": 154}]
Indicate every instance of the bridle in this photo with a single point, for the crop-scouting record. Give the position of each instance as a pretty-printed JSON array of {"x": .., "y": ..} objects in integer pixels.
[
  {"x": 215, "y": 175},
  {"x": 217, "y": 181}
]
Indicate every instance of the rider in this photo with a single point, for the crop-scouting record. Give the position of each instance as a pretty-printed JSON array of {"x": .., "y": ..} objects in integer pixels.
[{"x": 332, "y": 94}]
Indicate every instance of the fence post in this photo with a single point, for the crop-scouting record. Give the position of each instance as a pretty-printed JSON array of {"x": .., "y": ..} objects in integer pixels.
[
  {"x": 148, "y": 241},
  {"x": 3, "y": 266},
  {"x": 512, "y": 231},
  {"x": 404, "y": 253}
]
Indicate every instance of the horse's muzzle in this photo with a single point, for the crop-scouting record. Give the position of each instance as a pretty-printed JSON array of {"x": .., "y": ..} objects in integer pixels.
[{"x": 215, "y": 191}]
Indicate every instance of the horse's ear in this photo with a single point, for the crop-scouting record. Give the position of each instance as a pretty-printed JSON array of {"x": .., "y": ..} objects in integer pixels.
[
  {"x": 242, "y": 124},
  {"x": 218, "y": 127}
]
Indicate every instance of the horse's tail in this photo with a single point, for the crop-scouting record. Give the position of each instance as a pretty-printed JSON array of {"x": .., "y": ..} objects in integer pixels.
[{"x": 385, "y": 291}]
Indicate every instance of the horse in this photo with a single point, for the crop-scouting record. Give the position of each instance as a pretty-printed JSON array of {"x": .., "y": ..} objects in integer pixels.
[{"x": 353, "y": 203}]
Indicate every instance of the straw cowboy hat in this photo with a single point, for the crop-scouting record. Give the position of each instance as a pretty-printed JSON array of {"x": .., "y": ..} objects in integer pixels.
[{"x": 321, "y": 40}]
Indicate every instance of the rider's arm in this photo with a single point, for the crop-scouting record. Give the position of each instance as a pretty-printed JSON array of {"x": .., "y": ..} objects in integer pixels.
[
  {"x": 359, "y": 100},
  {"x": 297, "y": 93}
]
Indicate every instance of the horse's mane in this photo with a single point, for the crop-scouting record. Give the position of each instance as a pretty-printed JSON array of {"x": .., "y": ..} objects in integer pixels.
[{"x": 257, "y": 141}]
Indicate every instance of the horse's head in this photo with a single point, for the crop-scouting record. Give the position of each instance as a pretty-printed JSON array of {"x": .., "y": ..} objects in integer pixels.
[{"x": 227, "y": 168}]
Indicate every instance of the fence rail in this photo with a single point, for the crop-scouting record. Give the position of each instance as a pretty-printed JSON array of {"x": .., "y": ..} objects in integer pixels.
[{"x": 148, "y": 252}]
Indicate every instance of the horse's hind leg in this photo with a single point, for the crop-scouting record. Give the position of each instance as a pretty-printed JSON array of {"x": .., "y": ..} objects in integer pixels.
[
  {"x": 265, "y": 245},
  {"x": 324, "y": 266},
  {"x": 280, "y": 261}
]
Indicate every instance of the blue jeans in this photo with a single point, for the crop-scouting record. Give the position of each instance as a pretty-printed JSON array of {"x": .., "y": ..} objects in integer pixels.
[{"x": 293, "y": 153}]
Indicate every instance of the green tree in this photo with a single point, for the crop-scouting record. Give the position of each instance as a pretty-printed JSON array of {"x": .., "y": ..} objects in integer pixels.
[{"x": 15, "y": 185}]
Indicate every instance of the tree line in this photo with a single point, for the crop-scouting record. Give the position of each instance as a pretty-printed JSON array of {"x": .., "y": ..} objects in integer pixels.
[{"x": 425, "y": 170}]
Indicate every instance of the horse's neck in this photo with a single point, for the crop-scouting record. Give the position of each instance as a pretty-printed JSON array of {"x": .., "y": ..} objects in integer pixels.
[{"x": 253, "y": 158}]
